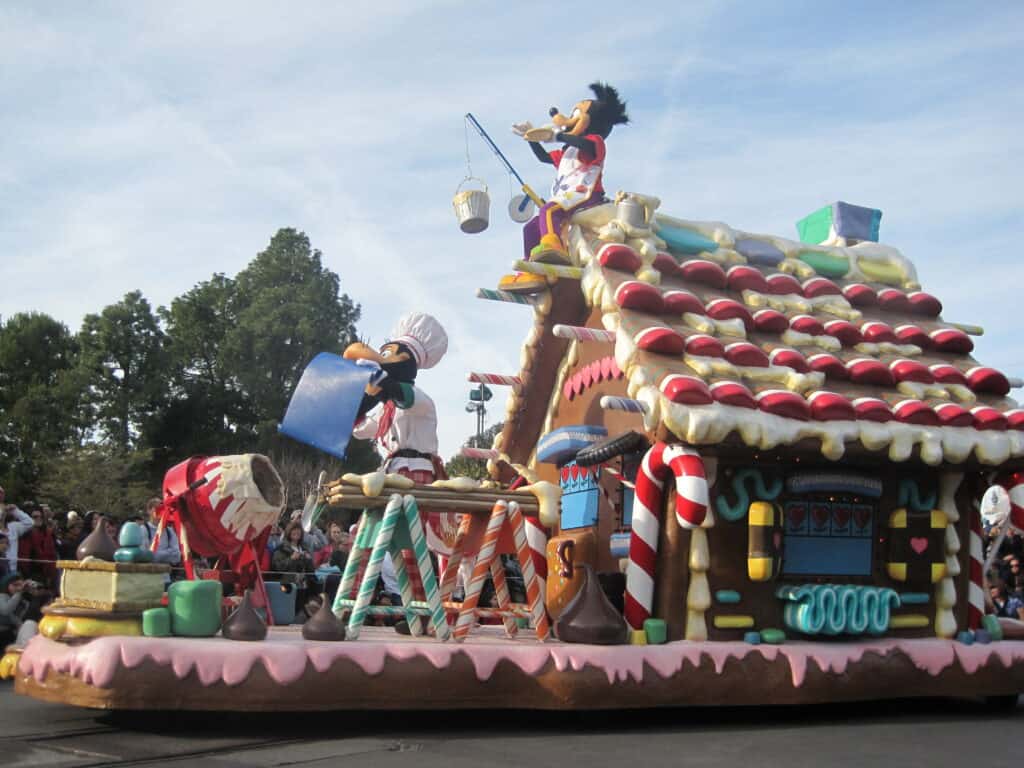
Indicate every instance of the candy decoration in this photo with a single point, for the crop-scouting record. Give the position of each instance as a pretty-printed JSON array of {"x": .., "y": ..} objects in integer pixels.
[
  {"x": 742, "y": 278},
  {"x": 666, "y": 264},
  {"x": 922, "y": 303},
  {"x": 847, "y": 333},
  {"x": 820, "y": 286},
  {"x": 952, "y": 415},
  {"x": 660, "y": 340},
  {"x": 969, "y": 329},
  {"x": 531, "y": 544},
  {"x": 727, "y": 309},
  {"x": 893, "y": 300},
  {"x": 613, "y": 403},
  {"x": 986, "y": 418},
  {"x": 915, "y": 412},
  {"x": 911, "y": 370},
  {"x": 733, "y": 393},
  {"x": 783, "y": 403},
  {"x": 789, "y": 358},
  {"x": 866, "y": 370},
  {"x": 643, "y": 297},
  {"x": 579, "y": 333},
  {"x": 691, "y": 511},
  {"x": 506, "y": 296},
  {"x": 702, "y": 271},
  {"x": 872, "y": 409},
  {"x": 621, "y": 257},
  {"x": 702, "y": 345},
  {"x": 759, "y": 251},
  {"x": 911, "y": 334},
  {"x": 678, "y": 302},
  {"x": 549, "y": 270},
  {"x": 480, "y": 454},
  {"x": 496, "y": 379},
  {"x": 807, "y": 324},
  {"x": 830, "y": 365},
  {"x": 945, "y": 373},
  {"x": 537, "y": 541},
  {"x": 989, "y": 381},
  {"x": 770, "y": 321},
  {"x": 781, "y": 284},
  {"x": 369, "y": 583},
  {"x": 952, "y": 340},
  {"x": 685, "y": 390},
  {"x": 481, "y": 570},
  {"x": 746, "y": 354},
  {"x": 1015, "y": 418},
  {"x": 829, "y": 406},
  {"x": 878, "y": 333},
  {"x": 860, "y": 295}
]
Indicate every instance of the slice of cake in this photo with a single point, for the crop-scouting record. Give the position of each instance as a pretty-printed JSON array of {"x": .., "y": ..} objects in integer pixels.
[{"x": 105, "y": 586}]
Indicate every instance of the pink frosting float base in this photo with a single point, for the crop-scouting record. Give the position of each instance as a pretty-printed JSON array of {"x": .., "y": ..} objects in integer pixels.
[{"x": 567, "y": 674}]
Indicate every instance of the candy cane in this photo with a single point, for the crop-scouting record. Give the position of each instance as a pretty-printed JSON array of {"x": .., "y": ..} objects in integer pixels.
[
  {"x": 976, "y": 587},
  {"x": 481, "y": 569},
  {"x": 494, "y": 378},
  {"x": 482, "y": 454},
  {"x": 548, "y": 270},
  {"x": 526, "y": 553},
  {"x": 506, "y": 296},
  {"x": 691, "y": 511},
  {"x": 628, "y": 404},
  {"x": 578, "y": 333},
  {"x": 537, "y": 540}
]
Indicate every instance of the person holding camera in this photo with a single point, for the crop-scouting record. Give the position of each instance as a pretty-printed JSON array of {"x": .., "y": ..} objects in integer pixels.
[
  {"x": 19, "y": 609},
  {"x": 14, "y": 523}
]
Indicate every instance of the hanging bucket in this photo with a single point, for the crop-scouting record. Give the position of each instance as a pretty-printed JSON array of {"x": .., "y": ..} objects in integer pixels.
[{"x": 471, "y": 207}]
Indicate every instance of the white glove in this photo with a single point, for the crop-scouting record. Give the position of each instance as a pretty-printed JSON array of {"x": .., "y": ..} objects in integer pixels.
[{"x": 520, "y": 129}]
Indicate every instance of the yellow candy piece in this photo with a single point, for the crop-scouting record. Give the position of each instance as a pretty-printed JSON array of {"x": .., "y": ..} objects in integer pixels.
[
  {"x": 9, "y": 665},
  {"x": 55, "y": 627}
]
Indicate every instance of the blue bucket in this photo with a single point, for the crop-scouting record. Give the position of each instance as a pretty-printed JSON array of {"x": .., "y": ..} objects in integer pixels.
[{"x": 282, "y": 601}]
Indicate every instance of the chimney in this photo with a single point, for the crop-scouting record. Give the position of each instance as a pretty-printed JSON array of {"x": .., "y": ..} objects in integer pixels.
[{"x": 840, "y": 224}]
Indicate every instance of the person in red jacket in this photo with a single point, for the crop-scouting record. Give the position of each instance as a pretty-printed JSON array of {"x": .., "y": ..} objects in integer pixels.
[{"x": 38, "y": 546}]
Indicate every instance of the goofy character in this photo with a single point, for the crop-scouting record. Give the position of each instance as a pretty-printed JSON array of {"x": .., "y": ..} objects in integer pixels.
[{"x": 579, "y": 164}]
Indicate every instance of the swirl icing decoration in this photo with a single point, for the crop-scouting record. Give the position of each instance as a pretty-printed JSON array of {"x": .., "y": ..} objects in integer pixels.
[
  {"x": 837, "y": 609},
  {"x": 658, "y": 463},
  {"x": 910, "y": 496},
  {"x": 761, "y": 492}
]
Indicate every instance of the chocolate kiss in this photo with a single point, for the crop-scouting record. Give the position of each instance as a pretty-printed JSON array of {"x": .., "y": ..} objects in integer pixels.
[
  {"x": 589, "y": 617},
  {"x": 323, "y": 625},
  {"x": 244, "y": 623},
  {"x": 98, "y": 544}
]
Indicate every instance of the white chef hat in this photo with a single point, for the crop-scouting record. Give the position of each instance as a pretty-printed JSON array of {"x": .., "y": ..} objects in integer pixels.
[{"x": 424, "y": 336}]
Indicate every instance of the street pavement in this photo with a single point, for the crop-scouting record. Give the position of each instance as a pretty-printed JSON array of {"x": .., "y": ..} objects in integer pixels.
[{"x": 932, "y": 734}]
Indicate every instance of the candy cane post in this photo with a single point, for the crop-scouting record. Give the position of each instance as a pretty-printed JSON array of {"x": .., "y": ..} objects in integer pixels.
[
  {"x": 578, "y": 333},
  {"x": 691, "y": 511},
  {"x": 496, "y": 379},
  {"x": 549, "y": 270},
  {"x": 627, "y": 404},
  {"x": 481, "y": 454},
  {"x": 531, "y": 545},
  {"x": 505, "y": 296},
  {"x": 976, "y": 587}
]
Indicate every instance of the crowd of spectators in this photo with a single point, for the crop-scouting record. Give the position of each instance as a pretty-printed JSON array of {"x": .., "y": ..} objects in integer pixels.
[{"x": 1006, "y": 577}]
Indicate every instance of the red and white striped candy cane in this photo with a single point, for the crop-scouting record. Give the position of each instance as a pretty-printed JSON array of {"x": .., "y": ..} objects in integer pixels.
[
  {"x": 537, "y": 539},
  {"x": 1014, "y": 485},
  {"x": 691, "y": 511},
  {"x": 976, "y": 586}
]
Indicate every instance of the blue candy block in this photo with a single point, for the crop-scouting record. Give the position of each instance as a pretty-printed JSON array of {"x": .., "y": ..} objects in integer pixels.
[
  {"x": 759, "y": 252},
  {"x": 753, "y": 638},
  {"x": 685, "y": 241},
  {"x": 856, "y": 221},
  {"x": 323, "y": 408},
  {"x": 580, "y": 496},
  {"x": 966, "y": 637},
  {"x": 982, "y": 637},
  {"x": 562, "y": 445}
]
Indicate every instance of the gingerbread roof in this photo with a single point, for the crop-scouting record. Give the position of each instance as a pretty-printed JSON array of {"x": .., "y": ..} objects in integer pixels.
[{"x": 725, "y": 334}]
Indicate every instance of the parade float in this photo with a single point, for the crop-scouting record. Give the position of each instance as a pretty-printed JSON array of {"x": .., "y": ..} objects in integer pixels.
[{"x": 735, "y": 469}]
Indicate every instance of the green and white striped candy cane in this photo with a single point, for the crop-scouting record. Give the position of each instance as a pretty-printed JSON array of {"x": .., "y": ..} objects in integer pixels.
[
  {"x": 355, "y": 557},
  {"x": 426, "y": 568},
  {"x": 392, "y": 513}
]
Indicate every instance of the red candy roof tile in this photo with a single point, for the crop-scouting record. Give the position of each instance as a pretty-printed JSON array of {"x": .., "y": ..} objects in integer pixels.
[
  {"x": 911, "y": 334},
  {"x": 782, "y": 402},
  {"x": 945, "y": 373},
  {"x": 733, "y": 393},
  {"x": 807, "y": 324},
  {"x": 727, "y": 309},
  {"x": 911, "y": 370},
  {"x": 986, "y": 380},
  {"x": 872, "y": 409},
  {"x": 686, "y": 390},
  {"x": 867, "y": 370},
  {"x": 847, "y": 333},
  {"x": 742, "y": 278},
  {"x": 820, "y": 286},
  {"x": 860, "y": 295},
  {"x": 702, "y": 345},
  {"x": 988, "y": 418},
  {"x": 952, "y": 340},
  {"x": 677, "y": 302},
  {"x": 915, "y": 412},
  {"x": 830, "y": 406},
  {"x": 789, "y": 358},
  {"x": 830, "y": 365},
  {"x": 770, "y": 321},
  {"x": 892, "y": 300},
  {"x": 877, "y": 332},
  {"x": 781, "y": 284},
  {"x": 703, "y": 271},
  {"x": 621, "y": 257},
  {"x": 952, "y": 415},
  {"x": 661, "y": 340},
  {"x": 1015, "y": 418},
  {"x": 745, "y": 353},
  {"x": 643, "y": 297},
  {"x": 922, "y": 303},
  {"x": 665, "y": 263}
]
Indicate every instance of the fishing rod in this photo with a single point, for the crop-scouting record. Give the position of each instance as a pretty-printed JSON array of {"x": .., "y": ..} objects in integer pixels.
[{"x": 530, "y": 194}]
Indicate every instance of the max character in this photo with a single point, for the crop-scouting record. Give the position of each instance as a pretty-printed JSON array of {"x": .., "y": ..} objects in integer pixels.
[{"x": 579, "y": 165}]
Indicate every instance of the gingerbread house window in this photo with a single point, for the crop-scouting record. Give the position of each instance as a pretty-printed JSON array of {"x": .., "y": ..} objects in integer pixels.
[{"x": 828, "y": 535}]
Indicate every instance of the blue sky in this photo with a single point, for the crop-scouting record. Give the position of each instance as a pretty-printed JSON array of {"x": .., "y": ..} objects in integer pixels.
[{"x": 146, "y": 146}]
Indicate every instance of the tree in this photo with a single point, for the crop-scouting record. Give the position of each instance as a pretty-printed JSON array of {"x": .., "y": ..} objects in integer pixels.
[
  {"x": 106, "y": 479},
  {"x": 39, "y": 395},
  {"x": 287, "y": 308},
  {"x": 460, "y": 466},
  {"x": 126, "y": 368}
]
